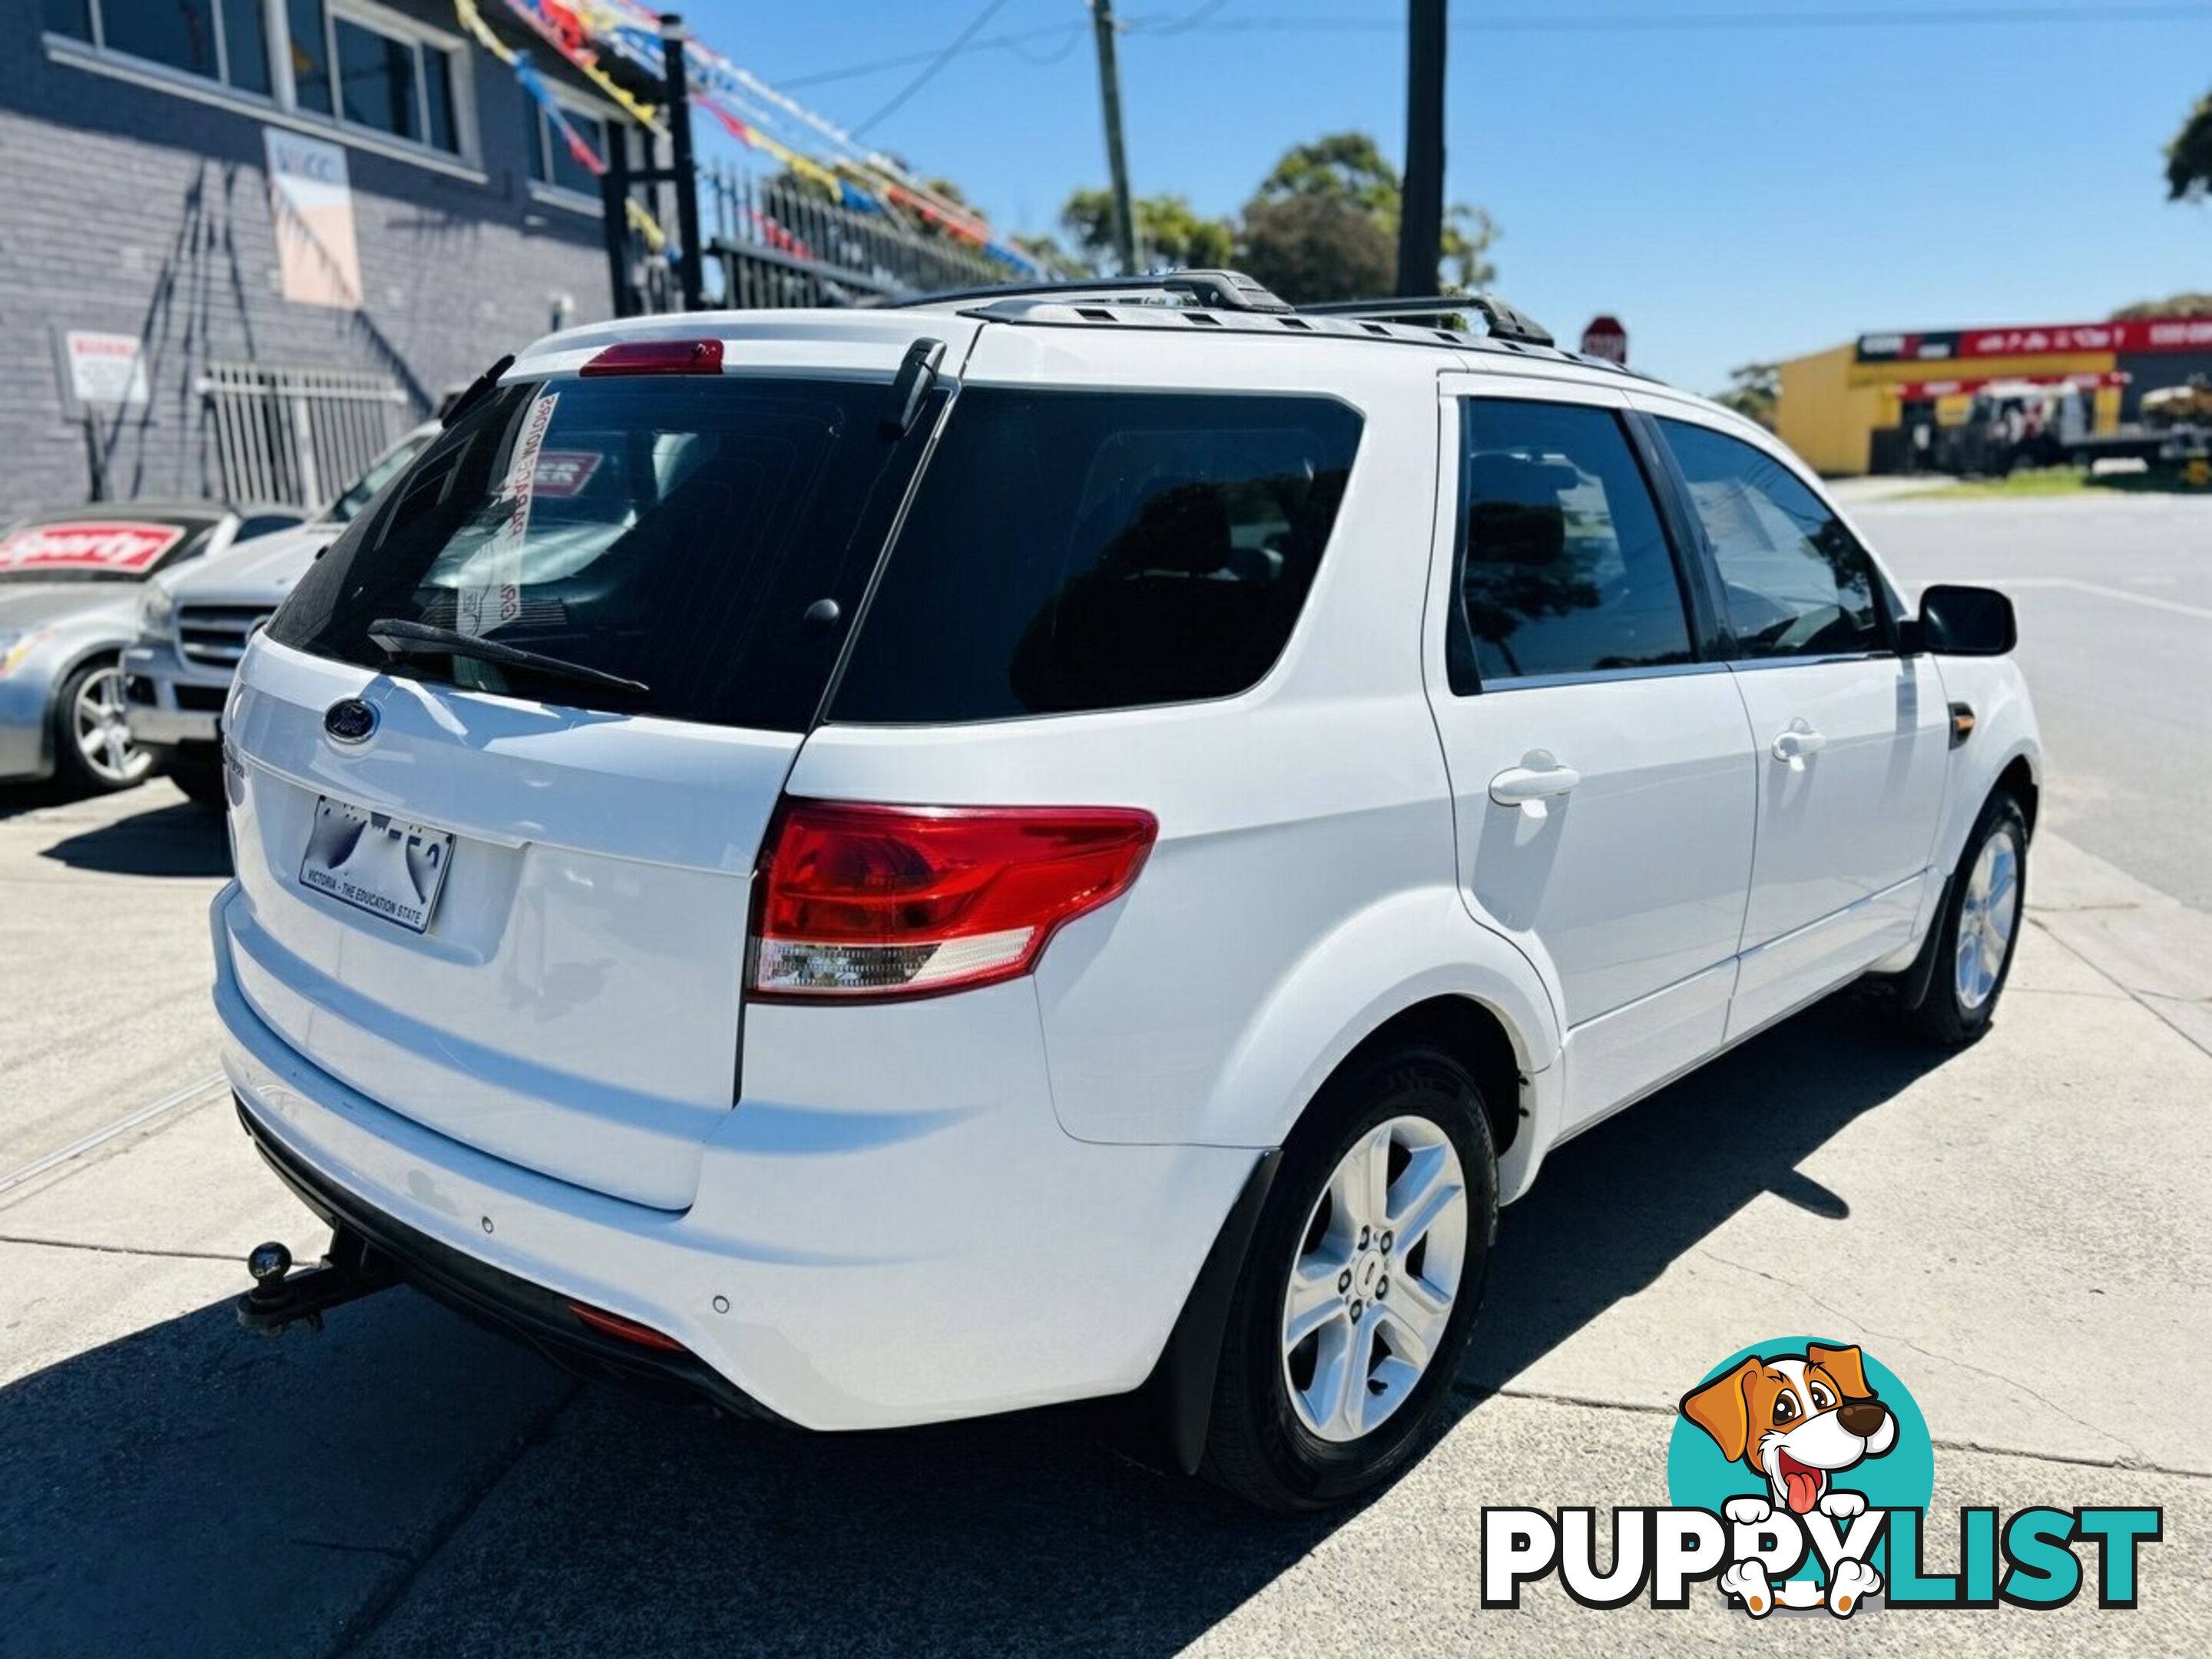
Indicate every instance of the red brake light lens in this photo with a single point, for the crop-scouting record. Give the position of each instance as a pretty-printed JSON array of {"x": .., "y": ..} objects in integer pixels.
[
  {"x": 908, "y": 901},
  {"x": 658, "y": 357},
  {"x": 622, "y": 1330}
]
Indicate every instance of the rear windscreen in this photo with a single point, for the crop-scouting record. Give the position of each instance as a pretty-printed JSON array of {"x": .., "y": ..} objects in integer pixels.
[
  {"x": 1071, "y": 550},
  {"x": 675, "y": 531}
]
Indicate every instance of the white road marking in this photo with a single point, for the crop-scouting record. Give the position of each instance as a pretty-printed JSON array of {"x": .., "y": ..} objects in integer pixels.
[
  {"x": 187, "y": 1095},
  {"x": 2200, "y": 612}
]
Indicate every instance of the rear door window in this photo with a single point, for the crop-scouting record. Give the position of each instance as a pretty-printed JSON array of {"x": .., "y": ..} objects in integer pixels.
[
  {"x": 1078, "y": 550},
  {"x": 1564, "y": 566},
  {"x": 673, "y": 531},
  {"x": 1795, "y": 582}
]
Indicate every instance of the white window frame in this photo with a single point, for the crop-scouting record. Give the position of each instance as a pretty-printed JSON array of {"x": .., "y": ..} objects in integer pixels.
[
  {"x": 576, "y": 103},
  {"x": 281, "y": 106},
  {"x": 96, "y": 10},
  {"x": 422, "y": 38}
]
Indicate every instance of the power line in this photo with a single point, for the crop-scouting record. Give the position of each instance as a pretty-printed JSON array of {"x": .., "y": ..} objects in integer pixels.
[
  {"x": 1011, "y": 42},
  {"x": 951, "y": 49},
  {"x": 1201, "y": 21},
  {"x": 1183, "y": 25},
  {"x": 1618, "y": 22}
]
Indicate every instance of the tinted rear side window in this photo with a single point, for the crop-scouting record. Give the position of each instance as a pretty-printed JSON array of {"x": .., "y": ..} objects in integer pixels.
[
  {"x": 1074, "y": 550},
  {"x": 668, "y": 530}
]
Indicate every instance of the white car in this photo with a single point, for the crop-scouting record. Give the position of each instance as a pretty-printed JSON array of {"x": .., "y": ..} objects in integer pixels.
[
  {"x": 193, "y": 624},
  {"x": 886, "y": 866}
]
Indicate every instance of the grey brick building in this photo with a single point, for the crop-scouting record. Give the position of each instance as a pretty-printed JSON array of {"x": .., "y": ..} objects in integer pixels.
[{"x": 138, "y": 142}]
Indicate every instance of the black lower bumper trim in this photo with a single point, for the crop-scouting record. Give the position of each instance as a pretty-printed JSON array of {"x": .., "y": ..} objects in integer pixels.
[{"x": 513, "y": 1307}]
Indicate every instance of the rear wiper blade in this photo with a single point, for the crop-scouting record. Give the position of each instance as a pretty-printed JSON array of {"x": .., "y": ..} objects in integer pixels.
[{"x": 413, "y": 639}]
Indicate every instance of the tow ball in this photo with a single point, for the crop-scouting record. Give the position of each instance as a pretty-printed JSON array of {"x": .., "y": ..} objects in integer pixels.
[{"x": 351, "y": 1270}]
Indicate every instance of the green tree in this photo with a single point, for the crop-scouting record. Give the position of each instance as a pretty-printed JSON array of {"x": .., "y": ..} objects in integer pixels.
[
  {"x": 2174, "y": 305},
  {"x": 1349, "y": 165},
  {"x": 1047, "y": 247},
  {"x": 1753, "y": 392},
  {"x": 1306, "y": 250},
  {"x": 2189, "y": 157},
  {"x": 1170, "y": 231}
]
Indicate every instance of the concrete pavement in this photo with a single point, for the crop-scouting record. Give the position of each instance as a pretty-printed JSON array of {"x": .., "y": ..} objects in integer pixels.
[
  {"x": 2013, "y": 1230},
  {"x": 2114, "y": 594}
]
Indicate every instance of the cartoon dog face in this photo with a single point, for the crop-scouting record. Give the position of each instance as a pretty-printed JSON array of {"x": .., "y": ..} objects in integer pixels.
[{"x": 1795, "y": 1419}]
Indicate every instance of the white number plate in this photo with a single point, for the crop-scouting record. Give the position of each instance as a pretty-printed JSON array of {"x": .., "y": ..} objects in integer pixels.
[{"x": 384, "y": 866}]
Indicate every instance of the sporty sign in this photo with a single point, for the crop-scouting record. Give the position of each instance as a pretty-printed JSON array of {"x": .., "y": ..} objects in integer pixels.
[{"x": 125, "y": 549}]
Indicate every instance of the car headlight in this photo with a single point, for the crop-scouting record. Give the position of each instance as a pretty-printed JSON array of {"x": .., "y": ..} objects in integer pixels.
[
  {"x": 15, "y": 646},
  {"x": 157, "y": 611}
]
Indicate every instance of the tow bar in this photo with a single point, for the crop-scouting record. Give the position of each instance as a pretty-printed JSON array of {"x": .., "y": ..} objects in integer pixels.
[{"x": 351, "y": 1270}]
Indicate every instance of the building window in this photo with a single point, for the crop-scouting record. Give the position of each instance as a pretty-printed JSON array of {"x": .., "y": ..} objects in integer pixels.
[
  {"x": 311, "y": 63},
  {"x": 350, "y": 61},
  {"x": 388, "y": 80},
  {"x": 552, "y": 161},
  {"x": 222, "y": 40}
]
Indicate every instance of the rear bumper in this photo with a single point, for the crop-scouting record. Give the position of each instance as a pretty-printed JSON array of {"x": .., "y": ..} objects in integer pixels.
[
  {"x": 838, "y": 1268},
  {"x": 513, "y": 1307}
]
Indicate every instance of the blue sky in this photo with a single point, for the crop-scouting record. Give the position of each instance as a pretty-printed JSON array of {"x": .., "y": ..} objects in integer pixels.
[{"x": 1732, "y": 191}]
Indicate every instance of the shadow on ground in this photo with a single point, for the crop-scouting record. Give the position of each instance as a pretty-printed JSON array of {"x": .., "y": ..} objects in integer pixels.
[
  {"x": 404, "y": 1483},
  {"x": 179, "y": 839},
  {"x": 17, "y": 798}
]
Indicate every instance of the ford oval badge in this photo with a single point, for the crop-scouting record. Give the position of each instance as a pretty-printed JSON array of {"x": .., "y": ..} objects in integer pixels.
[{"x": 350, "y": 721}]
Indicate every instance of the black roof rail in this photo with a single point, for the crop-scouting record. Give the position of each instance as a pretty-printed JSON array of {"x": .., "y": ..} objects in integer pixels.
[
  {"x": 1504, "y": 321},
  {"x": 1211, "y": 290},
  {"x": 1232, "y": 290}
]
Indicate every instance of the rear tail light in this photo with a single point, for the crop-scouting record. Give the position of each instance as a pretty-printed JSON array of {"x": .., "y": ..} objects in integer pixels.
[
  {"x": 908, "y": 901},
  {"x": 658, "y": 357}
]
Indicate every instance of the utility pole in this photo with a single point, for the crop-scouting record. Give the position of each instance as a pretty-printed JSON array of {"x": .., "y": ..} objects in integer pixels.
[
  {"x": 1421, "y": 214},
  {"x": 1117, "y": 164},
  {"x": 679, "y": 101}
]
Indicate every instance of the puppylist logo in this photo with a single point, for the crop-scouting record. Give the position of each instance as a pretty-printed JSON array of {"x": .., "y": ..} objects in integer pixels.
[{"x": 1799, "y": 1478}]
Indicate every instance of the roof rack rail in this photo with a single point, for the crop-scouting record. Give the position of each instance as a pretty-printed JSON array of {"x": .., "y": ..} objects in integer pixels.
[
  {"x": 1504, "y": 321},
  {"x": 1211, "y": 290},
  {"x": 1232, "y": 290}
]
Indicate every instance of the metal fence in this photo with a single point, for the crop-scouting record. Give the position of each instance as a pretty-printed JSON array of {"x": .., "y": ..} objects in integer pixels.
[
  {"x": 780, "y": 244},
  {"x": 296, "y": 435}
]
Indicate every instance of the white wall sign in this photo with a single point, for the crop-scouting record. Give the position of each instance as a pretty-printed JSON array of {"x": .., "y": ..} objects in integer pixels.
[
  {"x": 104, "y": 368},
  {"x": 311, "y": 199}
]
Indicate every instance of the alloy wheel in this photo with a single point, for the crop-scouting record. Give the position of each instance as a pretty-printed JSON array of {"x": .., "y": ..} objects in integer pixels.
[
  {"x": 100, "y": 724},
  {"x": 1987, "y": 917},
  {"x": 1377, "y": 1272}
]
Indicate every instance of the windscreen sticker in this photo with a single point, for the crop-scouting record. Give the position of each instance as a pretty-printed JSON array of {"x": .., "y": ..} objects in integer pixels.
[
  {"x": 494, "y": 596},
  {"x": 563, "y": 473},
  {"x": 127, "y": 550}
]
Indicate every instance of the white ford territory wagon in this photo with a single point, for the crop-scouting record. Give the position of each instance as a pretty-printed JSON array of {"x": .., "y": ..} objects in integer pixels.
[{"x": 882, "y": 866}]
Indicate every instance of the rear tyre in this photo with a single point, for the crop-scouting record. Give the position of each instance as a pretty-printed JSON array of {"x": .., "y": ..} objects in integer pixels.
[
  {"x": 1976, "y": 935},
  {"x": 199, "y": 776},
  {"x": 93, "y": 751},
  {"x": 1361, "y": 1288}
]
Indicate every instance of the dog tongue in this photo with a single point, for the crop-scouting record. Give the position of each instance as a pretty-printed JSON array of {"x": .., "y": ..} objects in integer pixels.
[{"x": 1803, "y": 1489}]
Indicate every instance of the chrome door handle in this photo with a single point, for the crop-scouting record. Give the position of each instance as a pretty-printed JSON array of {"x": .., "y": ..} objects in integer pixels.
[
  {"x": 1792, "y": 746},
  {"x": 1527, "y": 785}
]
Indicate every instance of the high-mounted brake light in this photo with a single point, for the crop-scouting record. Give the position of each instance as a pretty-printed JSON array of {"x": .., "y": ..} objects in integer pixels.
[
  {"x": 909, "y": 901},
  {"x": 658, "y": 357}
]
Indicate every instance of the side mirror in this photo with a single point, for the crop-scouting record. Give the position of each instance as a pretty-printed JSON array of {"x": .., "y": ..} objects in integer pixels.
[{"x": 1966, "y": 621}]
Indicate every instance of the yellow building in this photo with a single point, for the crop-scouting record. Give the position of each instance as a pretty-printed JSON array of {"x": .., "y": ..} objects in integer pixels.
[{"x": 1851, "y": 409}]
